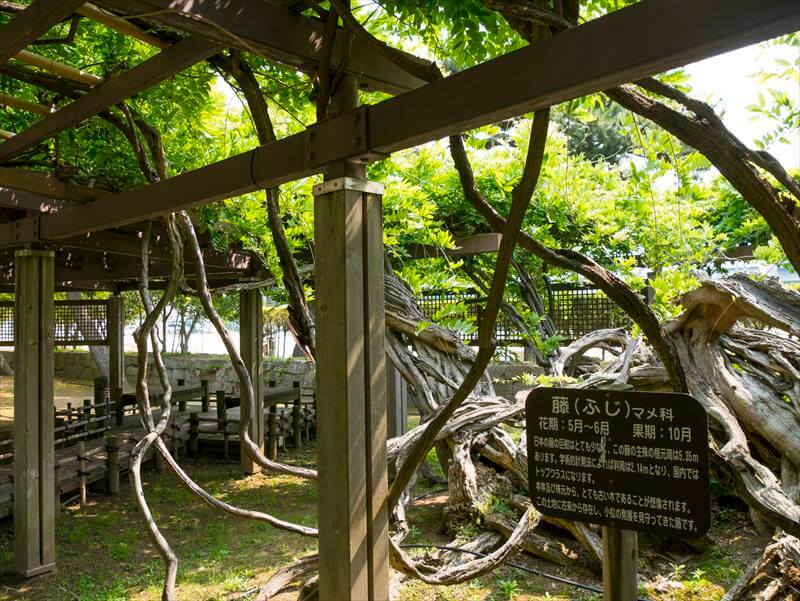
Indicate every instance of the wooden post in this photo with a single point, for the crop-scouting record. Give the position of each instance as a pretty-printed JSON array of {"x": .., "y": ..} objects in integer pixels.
[
  {"x": 116, "y": 357},
  {"x": 397, "y": 401},
  {"x": 175, "y": 431},
  {"x": 251, "y": 334},
  {"x": 34, "y": 472},
  {"x": 194, "y": 434},
  {"x": 86, "y": 415},
  {"x": 205, "y": 403},
  {"x": 351, "y": 437},
  {"x": 57, "y": 485},
  {"x": 221, "y": 410},
  {"x": 112, "y": 463},
  {"x": 620, "y": 563},
  {"x": 297, "y": 424},
  {"x": 272, "y": 432},
  {"x": 82, "y": 472}
]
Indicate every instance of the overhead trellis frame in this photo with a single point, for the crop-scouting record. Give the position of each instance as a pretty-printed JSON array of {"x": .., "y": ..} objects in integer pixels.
[{"x": 77, "y": 322}]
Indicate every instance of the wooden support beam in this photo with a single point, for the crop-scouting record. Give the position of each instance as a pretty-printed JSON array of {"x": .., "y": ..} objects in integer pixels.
[
  {"x": 24, "y": 105},
  {"x": 83, "y": 268},
  {"x": 471, "y": 245},
  {"x": 162, "y": 66},
  {"x": 351, "y": 380},
  {"x": 48, "y": 186},
  {"x": 34, "y": 486},
  {"x": 56, "y": 68},
  {"x": 251, "y": 333},
  {"x": 120, "y": 25},
  {"x": 35, "y": 20},
  {"x": 648, "y": 37},
  {"x": 275, "y": 32},
  {"x": 30, "y": 203}
]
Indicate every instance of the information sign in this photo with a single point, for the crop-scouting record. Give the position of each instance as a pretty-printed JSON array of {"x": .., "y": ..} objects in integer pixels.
[{"x": 629, "y": 460}]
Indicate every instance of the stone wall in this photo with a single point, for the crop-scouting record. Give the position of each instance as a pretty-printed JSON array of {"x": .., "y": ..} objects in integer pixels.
[
  {"x": 507, "y": 377},
  {"x": 218, "y": 370},
  {"x": 189, "y": 368}
]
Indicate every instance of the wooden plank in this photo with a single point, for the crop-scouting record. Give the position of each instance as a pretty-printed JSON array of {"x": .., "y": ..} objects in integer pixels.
[
  {"x": 162, "y": 66},
  {"x": 35, "y": 20},
  {"x": 277, "y": 33},
  {"x": 648, "y": 37}
]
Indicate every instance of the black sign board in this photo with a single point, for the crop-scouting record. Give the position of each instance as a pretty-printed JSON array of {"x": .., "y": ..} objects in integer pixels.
[{"x": 630, "y": 460}]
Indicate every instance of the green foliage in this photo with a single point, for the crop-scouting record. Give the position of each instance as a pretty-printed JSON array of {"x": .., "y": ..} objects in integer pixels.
[{"x": 779, "y": 107}]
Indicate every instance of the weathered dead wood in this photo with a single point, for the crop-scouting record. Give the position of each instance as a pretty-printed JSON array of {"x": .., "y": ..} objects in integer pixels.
[
  {"x": 546, "y": 548},
  {"x": 773, "y": 576},
  {"x": 568, "y": 358}
]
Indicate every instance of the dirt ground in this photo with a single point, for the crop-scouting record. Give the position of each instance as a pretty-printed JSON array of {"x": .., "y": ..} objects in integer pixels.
[{"x": 64, "y": 392}]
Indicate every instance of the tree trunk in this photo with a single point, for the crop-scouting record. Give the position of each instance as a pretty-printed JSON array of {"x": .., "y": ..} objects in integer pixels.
[
  {"x": 90, "y": 330},
  {"x": 5, "y": 368}
]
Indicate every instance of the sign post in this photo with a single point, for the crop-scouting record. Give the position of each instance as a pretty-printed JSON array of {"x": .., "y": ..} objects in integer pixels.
[{"x": 628, "y": 461}]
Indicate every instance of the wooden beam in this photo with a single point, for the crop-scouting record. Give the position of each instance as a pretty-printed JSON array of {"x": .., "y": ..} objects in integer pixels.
[
  {"x": 128, "y": 244},
  {"x": 24, "y": 105},
  {"x": 87, "y": 268},
  {"x": 35, "y": 20},
  {"x": 34, "y": 482},
  {"x": 275, "y": 32},
  {"x": 56, "y": 68},
  {"x": 49, "y": 186},
  {"x": 120, "y": 25},
  {"x": 637, "y": 41},
  {"x": 30, "y": 203},
  {"x": 471, "y": 245},
  {"x": 162, "y": 66}
]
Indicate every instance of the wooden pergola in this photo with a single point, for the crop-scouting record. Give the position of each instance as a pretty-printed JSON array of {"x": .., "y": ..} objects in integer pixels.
[{"x": 67, "y": 236}]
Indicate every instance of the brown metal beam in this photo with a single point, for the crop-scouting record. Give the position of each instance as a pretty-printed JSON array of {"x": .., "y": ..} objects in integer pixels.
[
  {"x": 162, "y": 66},
  {"x": 275, "y": 32},
  {"x": 640, "y": 40},
  {"x": 36, "y": 19}
]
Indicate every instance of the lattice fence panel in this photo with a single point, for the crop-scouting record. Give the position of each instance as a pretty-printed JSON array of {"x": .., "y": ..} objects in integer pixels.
[
  {"x": 578, "y": 310},
  {"x": 432, "y": 303},
  {"x": 6, "y": 323},
  {"x": 81, "y": 322}
]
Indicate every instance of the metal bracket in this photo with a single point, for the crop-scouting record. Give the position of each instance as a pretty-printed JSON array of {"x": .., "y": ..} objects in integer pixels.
[
  {"x": 26, "y": 230},
  {"x": 340, "y": 139},
  {"x": 348, "y": 183}
]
